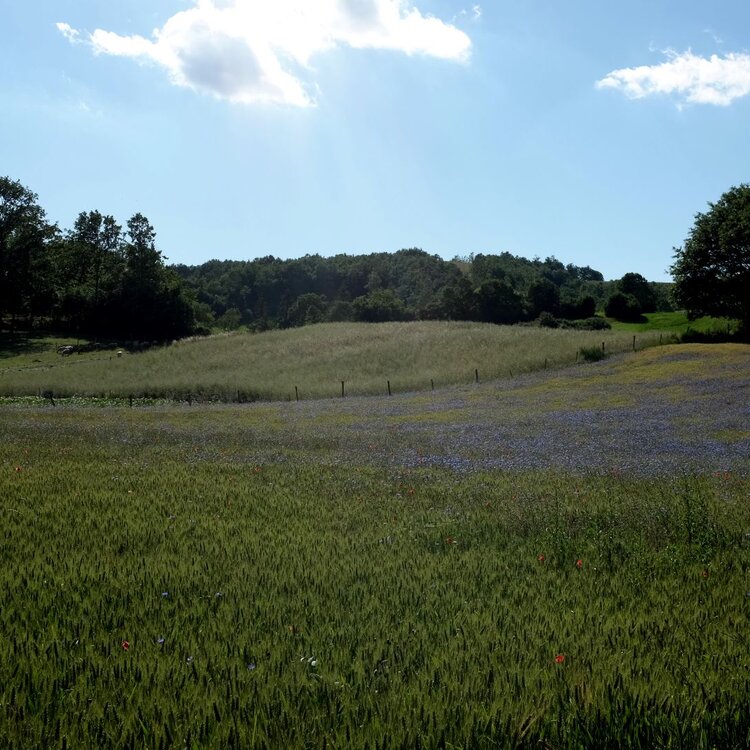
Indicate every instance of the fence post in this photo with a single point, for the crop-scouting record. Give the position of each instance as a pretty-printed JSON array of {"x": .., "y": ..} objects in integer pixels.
[
  {"x": 342, "y": 389},
  {"x": 296, "y": 393},
  {"x": 633, "y": 343},
  {"x": 389, "y": 387},
  {"x": 432, "y": 384},
  {"x": 545, "y": 363},
  {"x": 602, "y": 346},
  {"x": 476, "y": 375},
  {"x": 130, "y": 398}
]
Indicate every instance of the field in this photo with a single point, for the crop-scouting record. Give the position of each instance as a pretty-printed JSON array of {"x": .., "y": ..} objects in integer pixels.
[
  {"x": 676, "y": 323},
  {"x": 559, "y": 559},
  {"x": 314, "y": 359}
]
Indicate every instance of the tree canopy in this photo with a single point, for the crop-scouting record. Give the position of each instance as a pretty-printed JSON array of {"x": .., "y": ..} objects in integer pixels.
[
  {"x": 108, "y": 278},
  {"x": 712, "y": 269}
]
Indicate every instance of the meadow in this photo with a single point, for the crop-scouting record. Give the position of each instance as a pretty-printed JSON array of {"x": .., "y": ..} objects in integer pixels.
[
  {"x": 314, "y": 359},
  {"x": 559, "y": 559}
]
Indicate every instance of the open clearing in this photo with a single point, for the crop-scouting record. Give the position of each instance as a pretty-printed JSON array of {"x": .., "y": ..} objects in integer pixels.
[{"x": 555, "y": 560}]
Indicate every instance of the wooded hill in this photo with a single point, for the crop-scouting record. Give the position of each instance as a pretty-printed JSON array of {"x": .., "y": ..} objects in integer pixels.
[{"x": 100, "y": 279}]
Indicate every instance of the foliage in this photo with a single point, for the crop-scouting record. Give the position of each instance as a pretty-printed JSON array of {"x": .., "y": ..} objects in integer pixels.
[
  {"x": 94, "y": 278},
  {"x": 623, "y": 307},
  {"x": 26, "y": 285},
  {"x": 635, "y": 285},
  {"x": 712, "y": 269},
  {"x": 592, "y": 353}
]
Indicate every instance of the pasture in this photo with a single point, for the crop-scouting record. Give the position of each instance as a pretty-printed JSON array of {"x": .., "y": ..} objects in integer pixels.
[
  {"x": 557, "y": 560},
  {"x": 314, "y": 359}
]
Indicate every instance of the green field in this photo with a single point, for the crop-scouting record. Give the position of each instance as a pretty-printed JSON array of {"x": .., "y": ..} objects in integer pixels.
[
  {"x": 675, "y": 323},
  {"x": 307, "y": 576},
  {"x": 314, "y": 360}
]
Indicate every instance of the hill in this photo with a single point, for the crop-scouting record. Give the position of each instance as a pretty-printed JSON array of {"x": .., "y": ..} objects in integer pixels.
[{"x": 315, "y": 359}]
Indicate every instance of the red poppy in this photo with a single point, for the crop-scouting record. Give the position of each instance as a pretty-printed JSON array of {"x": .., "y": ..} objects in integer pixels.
[
  {"x": 125, "y": 645},
  {"x": 560, "y": 658},
  {"x": 579, "y": 563},
  {"x": 541, "y": 558}
]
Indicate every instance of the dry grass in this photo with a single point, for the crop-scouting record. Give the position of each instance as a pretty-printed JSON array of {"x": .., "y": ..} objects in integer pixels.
[{"x": 316, "y": 359}]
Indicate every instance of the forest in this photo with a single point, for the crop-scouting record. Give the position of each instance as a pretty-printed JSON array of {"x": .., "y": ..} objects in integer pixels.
[{"x": 108, "y": 280}]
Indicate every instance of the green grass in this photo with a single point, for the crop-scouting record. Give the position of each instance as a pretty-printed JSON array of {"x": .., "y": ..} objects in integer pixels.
[
  {"x": 675, "y": 323},
  {"x": 314, "y": 359},
  {"x": 277, "y": 585},
  {"x": 303, "y": 606}
]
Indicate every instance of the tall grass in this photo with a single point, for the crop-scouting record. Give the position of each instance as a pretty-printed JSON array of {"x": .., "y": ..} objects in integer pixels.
[
  {"x": 158, "y": 593},
  {"x": 316, "y": 359}
]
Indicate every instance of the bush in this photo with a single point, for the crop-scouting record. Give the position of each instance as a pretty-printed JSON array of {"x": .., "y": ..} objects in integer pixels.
[
  {"x": 548, "y": 320},
  {"x": 592, "y": 353},
  {"x": 623, "y": 307},
  {"x": 589, "y": 324}
]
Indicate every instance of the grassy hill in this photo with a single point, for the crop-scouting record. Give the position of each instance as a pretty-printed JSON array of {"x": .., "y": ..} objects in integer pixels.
[{"x": 315, "y": 359}]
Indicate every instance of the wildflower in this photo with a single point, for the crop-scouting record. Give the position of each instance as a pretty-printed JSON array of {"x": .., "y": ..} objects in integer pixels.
[
  {"x": 450, "y": 540},
  {"x": 125, "y": 645},
  {"x": 251, "y": 666},
  {"x": 541, "y": 558},
  {"x": 189, "y": 660},
  {"x": 165, "y": 594},
  {"x": 160, "y": 640},
  {"x": 18, "y": 468},
  {"x": 560, "y": 658},
  {"x": 579, "y": 563},
  {"x": 704, "y": 574}
]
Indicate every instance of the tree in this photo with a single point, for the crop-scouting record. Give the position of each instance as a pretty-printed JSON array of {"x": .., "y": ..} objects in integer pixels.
[
  {"x": 623, "y": 307},
  {"x": 637, "y": 286},
  {"x": 712, "y": 269},
  {"x": 499, "y": 303},
  {"x": 24, "y": 232},
  {"x": 543, "y": 296}
]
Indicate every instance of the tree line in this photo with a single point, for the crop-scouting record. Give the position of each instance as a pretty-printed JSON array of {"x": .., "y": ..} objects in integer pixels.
[{"x": 105, "y": 279}]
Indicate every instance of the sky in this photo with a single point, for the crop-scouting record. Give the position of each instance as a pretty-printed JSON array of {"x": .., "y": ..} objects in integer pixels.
[{"x": 590, "y": 131}]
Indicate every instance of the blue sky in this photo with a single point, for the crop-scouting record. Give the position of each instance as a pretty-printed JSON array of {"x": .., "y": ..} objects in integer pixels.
[{"x": 592, "y": 131}]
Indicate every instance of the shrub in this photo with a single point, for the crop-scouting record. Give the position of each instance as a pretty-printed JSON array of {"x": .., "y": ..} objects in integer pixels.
[
  {"x": 548, "y": 320},
  {"x": 623, "y": 307},
  {"x": 592, "y": 353}
]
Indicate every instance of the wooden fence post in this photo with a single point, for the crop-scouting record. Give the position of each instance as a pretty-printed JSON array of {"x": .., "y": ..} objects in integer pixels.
[
  {"x": 296, "y": 393},
  {"x": 476, "y": 375},
  {"x": 389, "y": 387},
  {"x": 342, "y": 389}
]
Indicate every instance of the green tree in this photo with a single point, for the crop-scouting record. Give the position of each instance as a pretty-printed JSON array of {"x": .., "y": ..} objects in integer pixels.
[
  {"x": 712, "y": 269},
  {"x": 623, "y": 307},
  {"x": 25, "y": 279},
  {"x": 498, "y": 302},
  {"x": 543, "y": 296},
  {"x": 637, "y": 286},
  {"x": 380, "y": 306}
]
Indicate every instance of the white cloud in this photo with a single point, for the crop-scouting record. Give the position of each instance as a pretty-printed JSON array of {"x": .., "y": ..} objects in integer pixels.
[
  {"x": 694, "y": 79},
  {"x": 257, "y": 50},
  {"x": 69, "y": 32}
]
